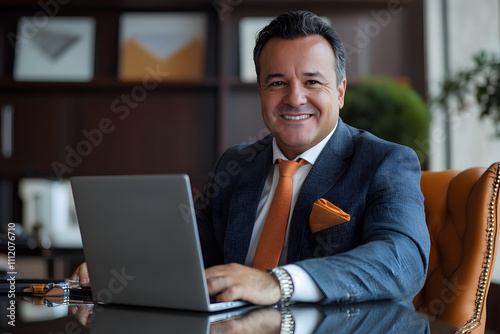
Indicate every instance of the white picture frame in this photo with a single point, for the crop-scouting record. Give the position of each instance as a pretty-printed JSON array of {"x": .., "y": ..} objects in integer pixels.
[{"x": 62, "y": 49}]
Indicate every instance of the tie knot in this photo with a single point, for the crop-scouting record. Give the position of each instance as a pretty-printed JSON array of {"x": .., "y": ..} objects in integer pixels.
[{"x": 289, "y": 167}]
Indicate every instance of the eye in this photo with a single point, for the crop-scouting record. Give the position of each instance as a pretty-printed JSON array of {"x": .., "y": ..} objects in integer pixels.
[
  {"x": 277, "y": 83},
  {"x": 312, "y": 82}
]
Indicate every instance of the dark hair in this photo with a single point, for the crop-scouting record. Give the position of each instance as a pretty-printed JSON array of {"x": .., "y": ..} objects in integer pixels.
[{"x": 296, "y": 24}]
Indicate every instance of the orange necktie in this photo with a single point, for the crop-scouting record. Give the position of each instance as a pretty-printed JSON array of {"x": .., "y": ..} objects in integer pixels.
[{"x": 272, "y": 238}]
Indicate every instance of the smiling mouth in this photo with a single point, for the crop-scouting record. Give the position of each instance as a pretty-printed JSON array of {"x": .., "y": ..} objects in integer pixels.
[{"x": 296, "y": 118}]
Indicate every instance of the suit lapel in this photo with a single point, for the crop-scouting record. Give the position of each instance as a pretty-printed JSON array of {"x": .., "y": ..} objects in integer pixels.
[
  {"x": 243, "y": 206},
  {"x": 328, "y": 168}
]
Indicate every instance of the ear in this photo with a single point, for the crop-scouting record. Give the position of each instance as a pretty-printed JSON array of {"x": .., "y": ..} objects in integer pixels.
[{"x": 341, "y": 92}]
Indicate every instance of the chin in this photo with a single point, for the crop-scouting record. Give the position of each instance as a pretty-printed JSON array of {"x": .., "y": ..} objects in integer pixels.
[{"x": 298, "y": 146}]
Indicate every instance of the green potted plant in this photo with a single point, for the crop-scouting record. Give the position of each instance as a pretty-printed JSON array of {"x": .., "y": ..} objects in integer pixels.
[{"x": 390, "y": 110}]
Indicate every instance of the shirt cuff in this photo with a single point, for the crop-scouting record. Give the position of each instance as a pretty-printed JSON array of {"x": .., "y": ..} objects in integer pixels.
[{"x": 304, "y": 288}]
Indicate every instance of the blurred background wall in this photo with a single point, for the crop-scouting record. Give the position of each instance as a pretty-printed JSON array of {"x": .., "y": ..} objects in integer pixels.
[{"x": 455, "y": 31}]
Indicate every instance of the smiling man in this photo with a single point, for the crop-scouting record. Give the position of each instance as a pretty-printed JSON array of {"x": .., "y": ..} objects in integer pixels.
[{"x": 354, "y": 227}]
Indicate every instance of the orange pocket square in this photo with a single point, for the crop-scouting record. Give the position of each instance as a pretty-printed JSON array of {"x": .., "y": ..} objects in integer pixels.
[{"x": 324, "y": 214}]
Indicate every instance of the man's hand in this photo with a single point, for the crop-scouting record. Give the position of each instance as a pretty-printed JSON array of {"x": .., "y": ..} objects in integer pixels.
[
  {"x": 81, "y": 274},
  {"x": 237, "y": 282}
]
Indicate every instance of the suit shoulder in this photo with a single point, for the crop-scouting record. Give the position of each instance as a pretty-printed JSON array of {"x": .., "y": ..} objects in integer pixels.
[{"x": 365, "y": 141}]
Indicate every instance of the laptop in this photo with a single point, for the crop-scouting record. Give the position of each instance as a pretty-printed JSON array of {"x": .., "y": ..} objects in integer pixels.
[{"x": 140, "y": 241}]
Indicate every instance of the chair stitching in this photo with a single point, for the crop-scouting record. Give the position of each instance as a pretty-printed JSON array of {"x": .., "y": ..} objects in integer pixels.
[{"x": 475, "y": 319}]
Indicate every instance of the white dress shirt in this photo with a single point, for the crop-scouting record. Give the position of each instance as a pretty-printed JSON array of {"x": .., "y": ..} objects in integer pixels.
[{"x": 305, "y": 289}]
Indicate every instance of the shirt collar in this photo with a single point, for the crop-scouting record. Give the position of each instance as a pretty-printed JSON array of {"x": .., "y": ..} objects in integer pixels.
[{"x": 310, "y": 155}]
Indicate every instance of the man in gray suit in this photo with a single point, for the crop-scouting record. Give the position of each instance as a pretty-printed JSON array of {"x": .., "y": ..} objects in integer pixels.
[{"x": 357, "y": 228}]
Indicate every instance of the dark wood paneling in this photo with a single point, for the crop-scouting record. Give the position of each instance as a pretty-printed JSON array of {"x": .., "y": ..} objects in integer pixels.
[
  {"x": 38, "y": 127},
  {"x": 164, "y": 131}
]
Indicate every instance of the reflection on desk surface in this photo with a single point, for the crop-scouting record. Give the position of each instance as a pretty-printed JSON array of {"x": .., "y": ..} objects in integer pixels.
[{"x": 375, "y": 317}]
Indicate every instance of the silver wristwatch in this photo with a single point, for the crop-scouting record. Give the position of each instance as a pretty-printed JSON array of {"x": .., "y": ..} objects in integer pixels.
[{"x": 285, "y": 282}]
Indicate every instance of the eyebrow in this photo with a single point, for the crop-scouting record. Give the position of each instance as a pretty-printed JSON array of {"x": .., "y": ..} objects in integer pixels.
[
  {"x": 314, "y": 75},
  {"x": 273, "y": 76},
  {"x": 307, "y": 74}
]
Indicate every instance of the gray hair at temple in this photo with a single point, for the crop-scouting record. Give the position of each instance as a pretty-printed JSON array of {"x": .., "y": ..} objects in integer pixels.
[{"x": 297, "y": 24}]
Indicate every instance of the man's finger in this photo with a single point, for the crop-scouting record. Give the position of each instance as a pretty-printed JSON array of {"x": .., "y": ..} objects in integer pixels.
[
  {"x": 81, "y": 274},
  {"x": 233, "y": 292},
  {"x": 216, "y": 284}
]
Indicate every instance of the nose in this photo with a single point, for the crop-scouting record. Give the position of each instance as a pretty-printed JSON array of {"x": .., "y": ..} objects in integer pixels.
[{"x": 295, "y": 95}]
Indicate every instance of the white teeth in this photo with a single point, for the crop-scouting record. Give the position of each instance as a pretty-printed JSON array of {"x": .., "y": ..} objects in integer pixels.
[{"x": 296, "y": 118}]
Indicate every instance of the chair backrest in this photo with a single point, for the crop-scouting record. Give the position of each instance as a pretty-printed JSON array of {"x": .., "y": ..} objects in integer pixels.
[{"x": 462, "y": 214}]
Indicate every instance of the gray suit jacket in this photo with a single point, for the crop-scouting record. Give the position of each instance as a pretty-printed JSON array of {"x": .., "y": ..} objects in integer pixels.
[{"x": 381, "y": 253}]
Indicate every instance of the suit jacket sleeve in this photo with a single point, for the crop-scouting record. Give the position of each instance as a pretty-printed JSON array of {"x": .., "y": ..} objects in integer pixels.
[{"x": 391, "y": 260}]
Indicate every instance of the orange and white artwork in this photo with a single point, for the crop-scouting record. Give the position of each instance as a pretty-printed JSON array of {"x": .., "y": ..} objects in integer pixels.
[{"x": 172, "y": 45}]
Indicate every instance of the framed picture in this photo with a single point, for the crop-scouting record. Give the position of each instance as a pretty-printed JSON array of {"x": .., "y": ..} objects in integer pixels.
[
  {"x": 170, "y": 45},
  {"x": 249, "y": 27},
  {"x": 60, "y": 50}
]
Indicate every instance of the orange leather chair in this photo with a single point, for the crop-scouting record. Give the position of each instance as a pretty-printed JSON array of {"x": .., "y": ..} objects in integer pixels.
[{"x": 462, "y": 215}]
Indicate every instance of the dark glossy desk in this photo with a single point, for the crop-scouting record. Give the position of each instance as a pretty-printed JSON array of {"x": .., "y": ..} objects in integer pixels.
[{"x": 379, "y": 317}]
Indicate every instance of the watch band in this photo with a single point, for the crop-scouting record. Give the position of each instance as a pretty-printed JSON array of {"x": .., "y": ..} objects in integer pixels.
[
  {"x": 287, "y": 322},
  {"x": 285, "y": 282}
]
